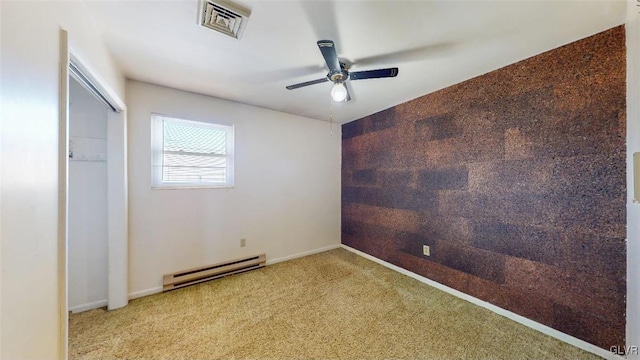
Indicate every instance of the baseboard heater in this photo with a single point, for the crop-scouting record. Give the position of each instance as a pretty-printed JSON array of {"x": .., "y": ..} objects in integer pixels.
[{"x": 210, "y": 272}]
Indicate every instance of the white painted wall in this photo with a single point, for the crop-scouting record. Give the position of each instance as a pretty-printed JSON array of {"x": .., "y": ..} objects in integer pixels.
[
  {"x": 29, "y": 79},
  {"x": 87, "y": 244},
  {"x": 633, "y": 145},
  {"x": 286, "y": 199}
]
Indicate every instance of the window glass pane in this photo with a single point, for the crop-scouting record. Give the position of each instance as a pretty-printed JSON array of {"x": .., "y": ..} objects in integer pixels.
[
  {"x": 191, "y": 153},
  {"x": 193, "y": 168},
  {"x": 191, "y": 137}
]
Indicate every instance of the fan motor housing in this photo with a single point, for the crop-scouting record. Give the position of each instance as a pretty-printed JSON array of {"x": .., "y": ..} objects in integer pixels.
[{"x": 338, "y": 76}]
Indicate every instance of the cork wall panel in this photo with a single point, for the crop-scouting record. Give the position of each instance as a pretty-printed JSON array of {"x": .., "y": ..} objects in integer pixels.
[{"x": 516, "y": 181}]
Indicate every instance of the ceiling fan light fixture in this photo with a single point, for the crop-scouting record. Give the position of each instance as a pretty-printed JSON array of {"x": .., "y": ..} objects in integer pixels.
[
  {"x": 339, "y": 92},
  {"x": 339, "y": 73}
]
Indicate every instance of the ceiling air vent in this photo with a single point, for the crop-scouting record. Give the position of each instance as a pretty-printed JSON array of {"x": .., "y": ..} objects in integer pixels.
[{"x": 225, "y": 17}]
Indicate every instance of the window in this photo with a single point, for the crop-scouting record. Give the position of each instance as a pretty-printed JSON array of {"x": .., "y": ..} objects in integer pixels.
[{"x": 191, "y": 154}]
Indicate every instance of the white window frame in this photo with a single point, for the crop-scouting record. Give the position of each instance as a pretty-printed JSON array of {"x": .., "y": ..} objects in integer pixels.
[{"x": 157, "y": 152}]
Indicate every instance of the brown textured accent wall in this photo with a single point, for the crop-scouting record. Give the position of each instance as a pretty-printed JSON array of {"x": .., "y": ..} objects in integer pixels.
[{"x": 515, "y": 179}]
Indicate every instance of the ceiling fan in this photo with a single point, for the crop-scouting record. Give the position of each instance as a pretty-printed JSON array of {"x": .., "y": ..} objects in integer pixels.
[{"x": 338, "y": 73}]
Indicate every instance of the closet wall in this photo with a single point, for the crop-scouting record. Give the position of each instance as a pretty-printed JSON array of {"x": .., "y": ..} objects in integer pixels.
[{"x": 87, "y": 200}]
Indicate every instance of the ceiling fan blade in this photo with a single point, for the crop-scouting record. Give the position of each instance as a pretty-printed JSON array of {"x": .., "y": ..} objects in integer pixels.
[
  {"x": 307, "y": 83},
  {"x": 287, "y": 73},
  {"x": 407, "y": 55},
  {"x": 346, "y": 86},
  {"x": 373, "y": 74},
  {"x": 321, "y": 15},
  {"x": 328, "y": 50}
]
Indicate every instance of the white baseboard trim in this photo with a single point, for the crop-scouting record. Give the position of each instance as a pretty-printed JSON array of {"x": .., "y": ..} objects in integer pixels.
[
  {"x": 498, "y": 310},
  {"x": 146, "y": 292},
  {"x": 302, "y": 254},
  {"x": 156, "y": 290},
  {"x": 89, "y": 306}
]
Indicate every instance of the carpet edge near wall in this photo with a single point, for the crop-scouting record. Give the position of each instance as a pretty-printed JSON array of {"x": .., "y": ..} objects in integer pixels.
[
  {"x": 493, "y": 308},
  {"x": 568, "y": 339},
  {"x": 158, "y": 289}
]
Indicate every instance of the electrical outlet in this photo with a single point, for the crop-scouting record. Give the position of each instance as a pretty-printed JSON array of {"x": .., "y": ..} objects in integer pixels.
[
  {"x": 243, "y": 242},
  {"x": 426, "y": 250}
]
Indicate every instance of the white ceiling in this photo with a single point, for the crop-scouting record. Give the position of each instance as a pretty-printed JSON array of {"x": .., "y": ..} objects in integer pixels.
[{"x": 433, "y": 43}]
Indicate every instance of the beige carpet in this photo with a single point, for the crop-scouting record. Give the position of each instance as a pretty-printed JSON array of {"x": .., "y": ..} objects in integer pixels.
[{"x": 334, "y": 305}]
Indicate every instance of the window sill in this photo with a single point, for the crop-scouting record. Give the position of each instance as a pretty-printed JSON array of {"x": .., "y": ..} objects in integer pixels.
[{"x": 190, "y": 187}]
